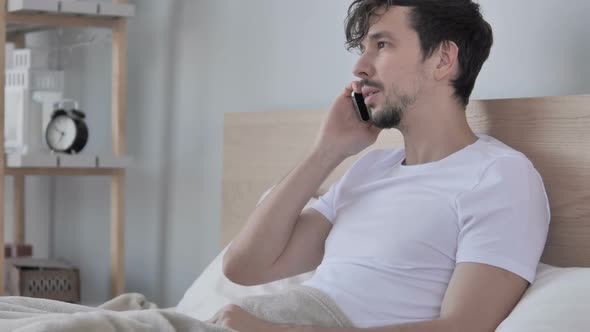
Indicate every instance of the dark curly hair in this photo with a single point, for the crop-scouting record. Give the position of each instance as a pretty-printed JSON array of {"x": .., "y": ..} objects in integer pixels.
[{"x": 436, "y": 22}]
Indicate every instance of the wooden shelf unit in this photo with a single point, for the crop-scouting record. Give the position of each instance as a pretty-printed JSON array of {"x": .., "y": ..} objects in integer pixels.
[{"x": 13, "y": 26}]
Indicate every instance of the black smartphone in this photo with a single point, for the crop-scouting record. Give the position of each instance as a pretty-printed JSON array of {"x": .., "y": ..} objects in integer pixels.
[{"x": 361, "y": 109}]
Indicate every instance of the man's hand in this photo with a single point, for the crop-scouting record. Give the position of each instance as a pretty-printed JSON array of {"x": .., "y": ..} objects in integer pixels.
[
  {"x": 236, "y": 318},
  {"x": 342, "y": 132}
]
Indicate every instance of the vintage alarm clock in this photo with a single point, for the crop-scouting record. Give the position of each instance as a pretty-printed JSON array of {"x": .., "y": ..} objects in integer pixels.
[{"x": 67, "y": 131}]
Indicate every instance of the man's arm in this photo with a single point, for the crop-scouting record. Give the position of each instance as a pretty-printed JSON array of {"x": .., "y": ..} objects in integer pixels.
[
  {"x": 479, "y": 298},
  {"x": 279, "y": 240}
]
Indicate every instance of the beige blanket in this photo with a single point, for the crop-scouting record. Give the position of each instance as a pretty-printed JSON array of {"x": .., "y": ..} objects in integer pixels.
[{"x": 299, "y": 305}]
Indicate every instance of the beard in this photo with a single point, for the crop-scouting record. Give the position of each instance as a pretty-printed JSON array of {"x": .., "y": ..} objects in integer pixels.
[
  {"x": 396, "y": 104},
  {"x": 392, "y": 112}
]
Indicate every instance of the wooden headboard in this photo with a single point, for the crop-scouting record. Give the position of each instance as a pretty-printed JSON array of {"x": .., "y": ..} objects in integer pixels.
[{"x": 554, "y": 132}]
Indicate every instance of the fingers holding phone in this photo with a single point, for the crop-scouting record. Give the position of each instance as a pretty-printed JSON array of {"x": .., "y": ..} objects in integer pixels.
[{"x": 347, "y": 129}]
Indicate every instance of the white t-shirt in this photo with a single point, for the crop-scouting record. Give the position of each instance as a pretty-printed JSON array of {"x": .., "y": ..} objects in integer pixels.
[{"x": 399, "y": 231}]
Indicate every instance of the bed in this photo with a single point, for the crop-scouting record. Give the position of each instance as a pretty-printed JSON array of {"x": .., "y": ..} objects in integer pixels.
[{"x": 259, "y": 148}]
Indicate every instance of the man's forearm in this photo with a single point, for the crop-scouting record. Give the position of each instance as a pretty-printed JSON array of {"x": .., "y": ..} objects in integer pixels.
[
  {"x": 270, "y": 226},
  {"x": 438, "y": 325}
]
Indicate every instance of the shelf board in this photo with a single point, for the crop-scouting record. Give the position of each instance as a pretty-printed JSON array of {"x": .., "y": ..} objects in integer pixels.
[
  {"x": 16, "y": 29},
  {"x": 21, "y": 23},
  {"x": 32, "y": 5},
  {"x": 63, "y": 164},
  {"x": 33, "y": 15},
  {"x": 71, "y": 7},
  {"x": 55, "y": 171}
]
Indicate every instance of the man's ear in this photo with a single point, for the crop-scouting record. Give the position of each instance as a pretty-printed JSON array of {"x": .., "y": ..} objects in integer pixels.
[{"x": 447, "y": 57}]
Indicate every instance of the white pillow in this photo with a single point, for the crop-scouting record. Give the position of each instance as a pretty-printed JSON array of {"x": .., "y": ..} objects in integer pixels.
[
  {"x": 212, "y": 290},
  {"x": 558, "y": 300}
]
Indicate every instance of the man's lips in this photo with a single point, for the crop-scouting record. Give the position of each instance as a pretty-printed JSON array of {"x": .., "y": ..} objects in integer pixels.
[
  {"x": 368, "y": 91},
  {"x": 371, "y": 97}
]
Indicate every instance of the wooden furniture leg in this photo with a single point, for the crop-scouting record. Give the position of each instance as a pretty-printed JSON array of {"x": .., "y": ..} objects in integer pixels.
[
  {"x": 119, "y": 77},
  {"x": 2, "y": 158},
  {"x": 19, "y": 209},
  {"x": 118, "y": 234}
]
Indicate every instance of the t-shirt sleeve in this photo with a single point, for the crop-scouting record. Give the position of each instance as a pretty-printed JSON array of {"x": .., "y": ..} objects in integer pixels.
[
  {"x": 325, "y": 203},
  {"x": 504, "y": 219}
]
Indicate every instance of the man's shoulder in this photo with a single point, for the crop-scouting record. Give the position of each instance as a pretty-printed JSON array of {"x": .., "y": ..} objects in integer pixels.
[
  {"x": 493, "y": 148},
  {"x": 501, "y": 162},
  {"x": 491, "y": 152}
]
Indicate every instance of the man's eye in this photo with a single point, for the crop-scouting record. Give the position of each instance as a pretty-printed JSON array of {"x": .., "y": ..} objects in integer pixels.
[{"x": 381, "y": 44}]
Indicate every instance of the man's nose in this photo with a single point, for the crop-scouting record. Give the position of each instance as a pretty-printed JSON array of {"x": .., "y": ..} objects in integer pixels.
[{"x": 363, "y": 68}]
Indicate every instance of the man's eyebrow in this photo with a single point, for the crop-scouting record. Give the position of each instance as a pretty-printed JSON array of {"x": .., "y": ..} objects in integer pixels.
[{"x": 380, "y": 34}]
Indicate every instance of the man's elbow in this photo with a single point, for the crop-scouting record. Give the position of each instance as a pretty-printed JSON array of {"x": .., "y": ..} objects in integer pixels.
[
  {"x": 230, "y": 269},
  {"x": 234, "y": 272}
]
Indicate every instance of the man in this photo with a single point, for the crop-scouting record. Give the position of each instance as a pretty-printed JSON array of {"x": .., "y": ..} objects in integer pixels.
[{"x": 443, "y": 235}]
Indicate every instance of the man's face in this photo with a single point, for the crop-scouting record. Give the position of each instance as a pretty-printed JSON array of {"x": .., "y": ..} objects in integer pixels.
[{"x": 391, "y": 67}]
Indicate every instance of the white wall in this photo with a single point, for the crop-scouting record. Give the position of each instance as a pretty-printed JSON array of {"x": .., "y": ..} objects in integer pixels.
[
  {"x": 191, "y": 61},
  {"x": 541, "y": 49}
]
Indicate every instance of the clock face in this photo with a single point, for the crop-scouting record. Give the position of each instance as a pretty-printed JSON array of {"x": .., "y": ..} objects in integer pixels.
[{"x": 61, "y": 133}]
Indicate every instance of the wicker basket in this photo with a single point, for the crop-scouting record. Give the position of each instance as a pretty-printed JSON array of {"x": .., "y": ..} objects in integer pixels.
[{"x": 42, "y": 278}]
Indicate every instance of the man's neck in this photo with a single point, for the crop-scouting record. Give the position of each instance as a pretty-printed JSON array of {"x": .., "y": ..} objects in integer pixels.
[{"x": 433, "y": 132}]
